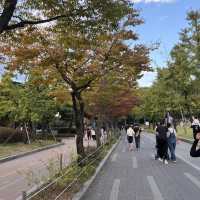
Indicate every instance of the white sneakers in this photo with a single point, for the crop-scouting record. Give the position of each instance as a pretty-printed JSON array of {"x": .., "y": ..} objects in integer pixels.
[{"x": 164, "y": 161}]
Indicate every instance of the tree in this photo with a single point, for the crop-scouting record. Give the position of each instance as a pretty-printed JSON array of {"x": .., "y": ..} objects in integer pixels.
[
  {"x": 25, "y": 103},
  {"x": 80, "y": 55},
  {"x": 177, "y": 86}
]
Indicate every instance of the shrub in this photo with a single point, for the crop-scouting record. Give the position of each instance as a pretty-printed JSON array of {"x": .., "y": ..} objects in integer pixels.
[{"x": 10, "y": 135}]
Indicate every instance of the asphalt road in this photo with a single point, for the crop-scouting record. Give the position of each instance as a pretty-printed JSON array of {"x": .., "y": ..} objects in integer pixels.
[
  {"x": 137, "y": 176},
  {"x": 24, "y": 173}
]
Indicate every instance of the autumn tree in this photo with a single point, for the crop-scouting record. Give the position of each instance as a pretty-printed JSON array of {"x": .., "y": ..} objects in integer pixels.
[
  {"x": 79, "y": 54},
  {"x": 113, "y": 96}
]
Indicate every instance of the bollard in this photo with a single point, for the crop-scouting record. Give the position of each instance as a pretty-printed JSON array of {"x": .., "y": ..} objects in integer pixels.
[
  {"x": 61, "y": 161},
  {"x": 24, "y": 195}
]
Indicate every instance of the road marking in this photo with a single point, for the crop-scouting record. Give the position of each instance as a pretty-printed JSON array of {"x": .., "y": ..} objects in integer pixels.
[
  {"x": 134, "y": 162},
  {"x": 180, "y": 157},
  {"x": 154, "y": 188},
  {"x": 114, "y": 157},
  {"x": 115, "y": 190},
  {"x": 124, "y": 150},
  {"x": 193, "y": 179},
  {"x": 189, "y": 163}
]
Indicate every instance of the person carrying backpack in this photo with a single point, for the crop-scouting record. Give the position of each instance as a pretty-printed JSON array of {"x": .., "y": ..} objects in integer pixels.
[
  {"x": 137, "y": 131},
  {"x": 171, "y": 141},
  {"x": 162, "y": 146}
]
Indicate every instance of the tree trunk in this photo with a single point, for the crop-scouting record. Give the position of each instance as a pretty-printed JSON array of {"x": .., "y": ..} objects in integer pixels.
[
  {"x": 8, "y": 10},
  {"x": 78, "y": 107},
  {"x": 98, "y": 132}
]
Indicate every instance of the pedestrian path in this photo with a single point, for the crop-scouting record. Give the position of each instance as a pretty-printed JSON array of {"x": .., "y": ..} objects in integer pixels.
[{"x": 137, "y": 176}]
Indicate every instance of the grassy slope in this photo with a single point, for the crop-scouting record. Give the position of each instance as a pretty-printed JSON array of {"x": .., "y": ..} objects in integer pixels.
[{"x": 15, "y": 148}]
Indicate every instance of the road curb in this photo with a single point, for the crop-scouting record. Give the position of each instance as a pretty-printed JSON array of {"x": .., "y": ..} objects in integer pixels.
[
  {"x": 13, "y": 157},
  {"x": 186, "y": 140},
  {"x": 81, "y": 193}
]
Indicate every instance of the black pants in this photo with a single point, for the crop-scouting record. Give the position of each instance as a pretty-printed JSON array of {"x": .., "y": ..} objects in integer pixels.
[
  {"x": 193, "y": 151},
  {"x": 137, "y": 142},
  {"x": 162, "y": 148}
]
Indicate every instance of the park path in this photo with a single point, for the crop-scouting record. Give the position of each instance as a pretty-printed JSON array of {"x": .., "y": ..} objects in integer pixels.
[
  {"x": 137, "y": 176},
  {"x": 14, "y": 174}
]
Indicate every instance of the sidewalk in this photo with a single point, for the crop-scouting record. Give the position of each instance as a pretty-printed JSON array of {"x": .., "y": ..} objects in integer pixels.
[
  {"x": 137, "y": 176},
  {"x": 13, "y": 174}
]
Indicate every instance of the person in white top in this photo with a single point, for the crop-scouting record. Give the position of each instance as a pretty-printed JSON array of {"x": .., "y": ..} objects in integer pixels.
[
  {"x": 195, "y": 126},
  {"x": 93, "y": 134},
  {"x": 130, "y": 135}
]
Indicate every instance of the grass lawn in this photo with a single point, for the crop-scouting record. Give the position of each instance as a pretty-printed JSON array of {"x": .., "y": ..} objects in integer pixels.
[
  {"x": 16, "y": 148},
  {"x": 185, "y": 132}
]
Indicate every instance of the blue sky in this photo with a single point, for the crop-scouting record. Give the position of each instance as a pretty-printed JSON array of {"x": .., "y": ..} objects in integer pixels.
[{"x": 164, "y": 19}]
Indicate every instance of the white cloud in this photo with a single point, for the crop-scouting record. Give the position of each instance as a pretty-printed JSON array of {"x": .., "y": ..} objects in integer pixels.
[{"x": 153, "y": 1}]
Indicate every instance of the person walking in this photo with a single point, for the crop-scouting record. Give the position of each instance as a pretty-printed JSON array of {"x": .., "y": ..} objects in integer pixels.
[
  {"x": 137, "y": 132},
  {"x": 171, "y": 141},
  {"x": 93, "y": 134},
  {"x": 162, "y": 146},
  {"x": 195, "y": 149},
  {"x": 130, "y": 134},
  {"x": 89, "y": 134}
]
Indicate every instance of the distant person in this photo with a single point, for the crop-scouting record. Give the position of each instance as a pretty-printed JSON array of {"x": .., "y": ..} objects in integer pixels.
[
  {"x": 195, "y": 149},
  {"x": 171, "y": 141},
  {"x": 93, "y": 134},
  {"x": 195, "y": 126},
  {"x": 162, "y": 146},
  {"x": 137, "y": 131},
  {"x": 89, "y": 134},
  {"x": 168, "y": 119},
  {"x": 130, "y": 135},
  {"x": 156, "y": 134}
]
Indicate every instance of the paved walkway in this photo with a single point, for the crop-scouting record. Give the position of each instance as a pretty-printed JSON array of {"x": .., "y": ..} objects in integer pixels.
[
  {"x": 14, "y": 174},
  {"x": 137, "y": 176}
]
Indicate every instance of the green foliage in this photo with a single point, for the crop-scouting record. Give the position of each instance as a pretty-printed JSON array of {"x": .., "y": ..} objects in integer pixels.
[
  {"x": 177, "y": 86},
  {"x": 10, "y": 135},
  {"x": 23, "y": 102}
]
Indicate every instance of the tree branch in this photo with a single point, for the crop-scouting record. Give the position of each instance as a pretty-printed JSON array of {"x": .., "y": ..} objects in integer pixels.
[{"x": 27, "y": 22}]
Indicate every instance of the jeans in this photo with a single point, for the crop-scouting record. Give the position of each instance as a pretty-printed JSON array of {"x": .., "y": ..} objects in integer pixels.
[
  {"x": 172, "y": 147},
  {"x": 137, "y": 142}
]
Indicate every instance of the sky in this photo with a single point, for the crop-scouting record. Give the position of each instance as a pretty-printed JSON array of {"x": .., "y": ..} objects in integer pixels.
[{"x": 164, "y": 19}]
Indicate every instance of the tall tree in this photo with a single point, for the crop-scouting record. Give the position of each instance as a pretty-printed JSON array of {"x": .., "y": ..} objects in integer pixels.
[{"x": 79, "y": 54}]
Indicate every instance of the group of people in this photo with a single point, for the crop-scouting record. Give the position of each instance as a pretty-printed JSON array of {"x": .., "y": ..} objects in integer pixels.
[
  {"x": 165, "y": 139},
  {"x": 134, "y": 132},
  {"x": 90, "y": 134}
]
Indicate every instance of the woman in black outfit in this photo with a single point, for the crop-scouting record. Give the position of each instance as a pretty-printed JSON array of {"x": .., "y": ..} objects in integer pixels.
[{"x": 195, "y": 150}]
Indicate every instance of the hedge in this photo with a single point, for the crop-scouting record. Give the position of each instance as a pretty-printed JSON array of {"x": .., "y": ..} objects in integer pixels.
[{"x": 10, "y": 135}]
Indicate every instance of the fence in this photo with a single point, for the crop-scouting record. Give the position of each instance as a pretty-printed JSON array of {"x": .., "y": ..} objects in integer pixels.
[{"x": 78, "y": 172}]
